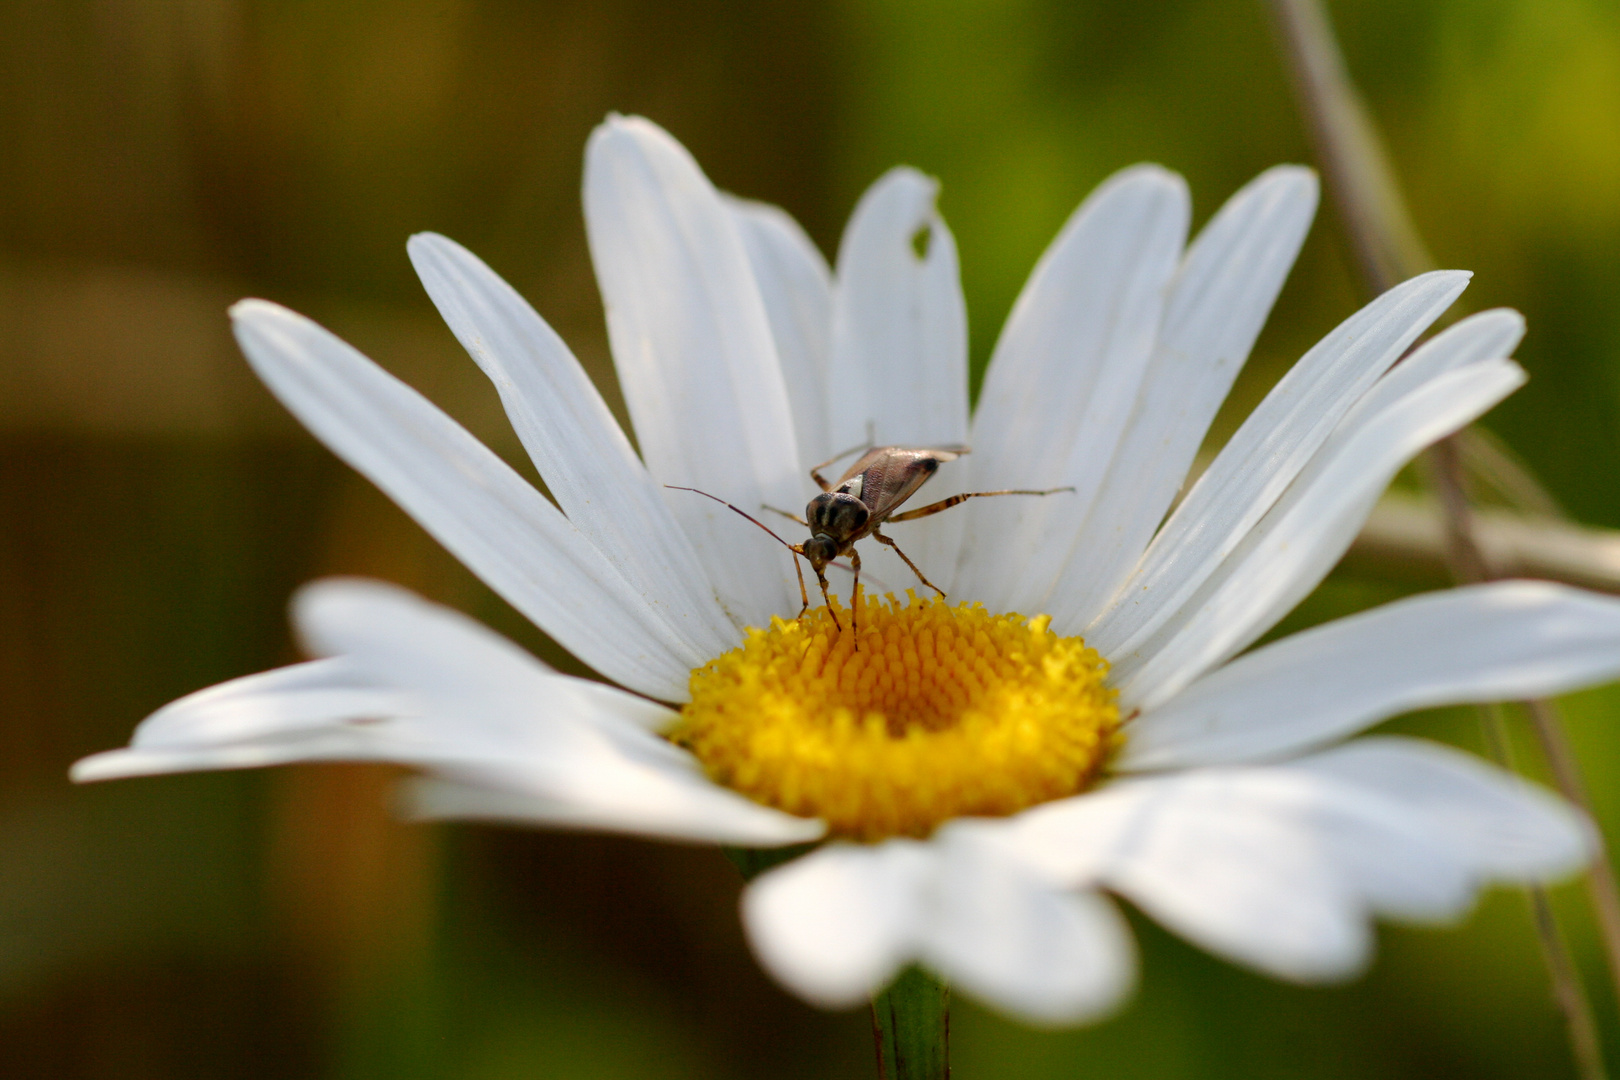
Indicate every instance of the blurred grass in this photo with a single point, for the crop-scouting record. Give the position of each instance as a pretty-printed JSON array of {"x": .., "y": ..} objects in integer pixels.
[{"x": 159, "y": 158}]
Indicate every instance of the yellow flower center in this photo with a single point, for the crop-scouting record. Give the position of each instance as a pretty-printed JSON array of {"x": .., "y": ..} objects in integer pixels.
[{"x": 942, "y": 711}]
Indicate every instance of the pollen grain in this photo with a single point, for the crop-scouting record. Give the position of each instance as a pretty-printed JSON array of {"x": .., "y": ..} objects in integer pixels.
[{"x": 944, "y": 711}]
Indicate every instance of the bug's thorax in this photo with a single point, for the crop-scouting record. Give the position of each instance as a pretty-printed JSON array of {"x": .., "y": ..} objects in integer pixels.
[{"x": 838, "y": 515}]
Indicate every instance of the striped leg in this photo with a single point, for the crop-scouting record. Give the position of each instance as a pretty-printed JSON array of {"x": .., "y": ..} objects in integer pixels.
[
  {"x": 946, "y": 504},
  {"x": 880, "y": 538}
]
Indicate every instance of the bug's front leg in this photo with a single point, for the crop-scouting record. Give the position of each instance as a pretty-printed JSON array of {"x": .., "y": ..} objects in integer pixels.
[
  {"x": 880, "y": 538},
  {"x": 855, "y": 599},
  {"x": 804, "y": 594}
]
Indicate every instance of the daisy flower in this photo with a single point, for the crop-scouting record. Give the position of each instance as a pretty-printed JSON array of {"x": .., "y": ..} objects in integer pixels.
[{"x": 983, "y": 784}]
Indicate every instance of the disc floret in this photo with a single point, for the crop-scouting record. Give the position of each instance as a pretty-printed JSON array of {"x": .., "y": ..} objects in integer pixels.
[{"x": 943, "y": 711}]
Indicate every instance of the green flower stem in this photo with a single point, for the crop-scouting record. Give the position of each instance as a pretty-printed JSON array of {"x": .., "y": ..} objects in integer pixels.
[
  {"x": 752, "y": 862},
  {"x": 911, "y": 1020},
  {"x": 911, "y": 1024}
]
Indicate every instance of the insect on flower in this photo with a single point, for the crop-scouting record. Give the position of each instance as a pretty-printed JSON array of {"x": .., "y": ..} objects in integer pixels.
[
  {"x": 857, "y": 506},
  {"x": 981, "y": 815}
]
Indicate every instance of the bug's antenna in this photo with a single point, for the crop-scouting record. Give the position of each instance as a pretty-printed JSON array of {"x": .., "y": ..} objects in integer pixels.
[
  {"x": 750, "y": 517},
  {"x": 798, "y": 551}
]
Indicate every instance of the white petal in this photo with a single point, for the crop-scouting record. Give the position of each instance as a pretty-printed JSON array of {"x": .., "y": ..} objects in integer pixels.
[
  {"x": 395, "y": 638},
  {"x": 396, "y": 667},
  {"x": 503, "y": 722},
  {"x": 470, "y": 500},
  {"x": 1005, "y": 937},
  {"x": 837, "y": 924},
  {"x": 452, "y": 698},
  {"x": 1492, "y": 642},
  {"x": 323, "y": 744},
  {"x": 1510, "y": 830},
  {"x": 1278, "y": 867},
  {"x": 1294, "y": 546},
  {"x": 1069, "y": 843},
  {"x": 1268, "y": 451},
  {"x": 899, "y": 356},
  {"x": 1227, "y": 858},
  {"x": 696, "y": 361},
  {"x": 1228, "y": 861},
  {"x": 1396, "y": 862},
  {"x": 1217, "y": 303},
  {"x": 899, "y": 350},
  {"x": 278, "y": 702},
  {"x": 584, "y": 458},
  {"x": 1489, "y": 335},
  {"x": 1064, "y": 378},
  {"x": 1442, "y": 385},
  {"x": 796, "y": 285},
  {"x": 264, "y": 719},
  {"x": 664, "y": 805}
]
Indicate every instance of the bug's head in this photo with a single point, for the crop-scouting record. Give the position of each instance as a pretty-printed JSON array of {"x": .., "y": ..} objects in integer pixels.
[
  {"x": 836, "y": 515},
  {"x": 820, "y": 549}
]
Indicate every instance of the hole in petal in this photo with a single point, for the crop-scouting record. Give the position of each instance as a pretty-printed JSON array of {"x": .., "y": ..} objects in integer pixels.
[{"x": 920, "y": 240}]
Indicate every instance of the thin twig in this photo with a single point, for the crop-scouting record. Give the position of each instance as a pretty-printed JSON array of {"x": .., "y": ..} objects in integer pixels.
[
  {"x": 1565, "y": 977},
  {"x": 1387, "y": 251},
  {"x": 1602, "y": 889},
  {"x": 1601, "y": 885},
  {"x": 1464, "y": 556},
  {"x": 1411, "y": 530},
  {"x": 1360, "y": 180},
  {"x": 1566, "y": 982}
]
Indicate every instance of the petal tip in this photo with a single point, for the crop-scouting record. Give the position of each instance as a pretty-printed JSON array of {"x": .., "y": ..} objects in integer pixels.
[
  {"x": 427, "y": 240},
  {"x": 251, "y": 308},
  {"x": 86, "y": 770},
  {"x": 319, "y": 603},
  {"x": 618, "y": 127},
  {"x": 1301, "y": 176},
  {"x": 1151, "y": 173},
  {"x": 107, "y": 765},
  {"x": 908, "y": 180}
]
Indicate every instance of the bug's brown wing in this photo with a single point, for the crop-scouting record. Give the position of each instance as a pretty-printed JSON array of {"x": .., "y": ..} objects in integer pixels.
[
  {"x": 878, "y": 453},
  {"x": 891, "y": 474}
]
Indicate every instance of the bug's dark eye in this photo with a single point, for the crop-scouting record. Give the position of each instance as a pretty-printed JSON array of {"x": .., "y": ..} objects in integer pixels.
[
  {"x": 820, "y": 551},
  {"x": 836, "y": 514}
]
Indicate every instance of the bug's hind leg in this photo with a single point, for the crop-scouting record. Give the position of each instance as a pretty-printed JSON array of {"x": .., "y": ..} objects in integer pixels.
[
  {"x": 821, "y": 481},
  {"x": 880, "y": 538},
  {"x": 957, "y": 500},
  {"x": 815, "y": 473}
]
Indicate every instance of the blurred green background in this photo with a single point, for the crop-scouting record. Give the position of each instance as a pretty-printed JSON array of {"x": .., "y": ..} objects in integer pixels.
[{"x": 161, "y": 158}]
